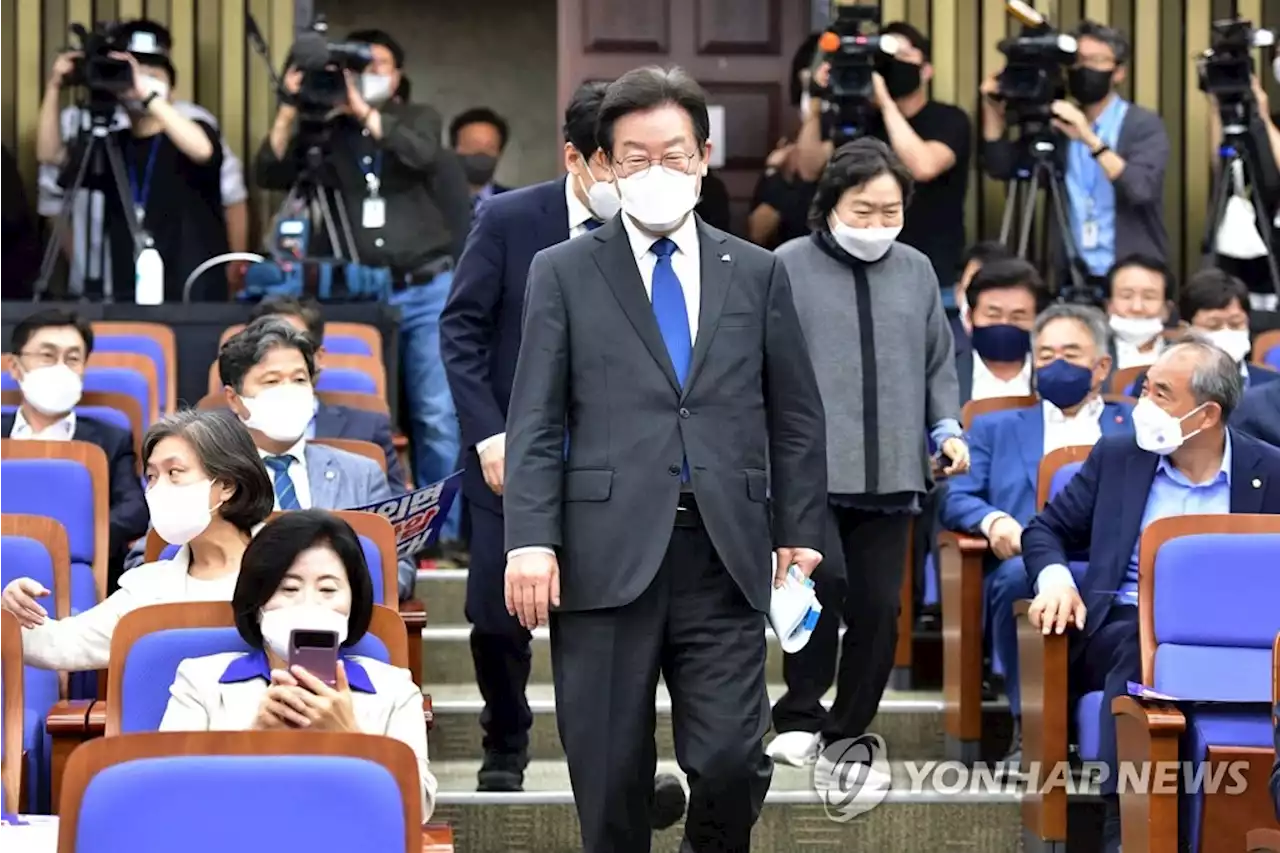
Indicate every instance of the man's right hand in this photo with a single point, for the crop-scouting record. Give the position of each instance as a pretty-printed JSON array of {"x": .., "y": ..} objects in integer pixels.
[
  {"x": 19, "y": 598},
  {"x": 1057, "y": 608},
  {"x": 292, "y": 82},
  {"x": 532, "y": 587},
  {"x": 1005, "y": 537},
  {"x": 62, "y": 66},
  {"x": 492, "y": 461}
]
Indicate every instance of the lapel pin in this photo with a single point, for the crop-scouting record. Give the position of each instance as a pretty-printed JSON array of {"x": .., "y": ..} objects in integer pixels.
[
  {"x": 1119, "y": 419},
  {"x": 328, "y": 475},
  {"x": 1257, "y": 484},
  {"x": 725, "y": 258}
]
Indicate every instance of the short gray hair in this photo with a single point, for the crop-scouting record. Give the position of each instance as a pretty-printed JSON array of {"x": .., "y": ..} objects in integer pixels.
[
  {"x": 1216, "y": 377},
  {"x": 247, "y": 348},
  {"x": 227, "y": 454},
  {"x": 1086, "y": 315}
]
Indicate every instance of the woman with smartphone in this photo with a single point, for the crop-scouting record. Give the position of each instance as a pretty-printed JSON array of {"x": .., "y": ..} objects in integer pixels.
[
  {"x": 208, "y": 491},
  {"x": 304, "y": 596}
]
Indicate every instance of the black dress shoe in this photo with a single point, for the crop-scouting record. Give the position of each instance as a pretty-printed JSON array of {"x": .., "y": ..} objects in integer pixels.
[
  {"x": 502, "y": 772},
  {"x": 1013, "y": 758},
  {"x": 669, "y": 801}
]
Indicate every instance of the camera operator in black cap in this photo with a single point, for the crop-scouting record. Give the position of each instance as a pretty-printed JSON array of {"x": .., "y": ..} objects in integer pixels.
[
  {"x": 144, "y": 39},
  {"x": 1115, "y": 157},
  {"x": 172, "y": 163}
]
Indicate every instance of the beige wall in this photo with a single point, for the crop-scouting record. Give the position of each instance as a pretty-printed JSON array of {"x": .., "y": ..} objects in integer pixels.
[{"x": 466, "y": 53}]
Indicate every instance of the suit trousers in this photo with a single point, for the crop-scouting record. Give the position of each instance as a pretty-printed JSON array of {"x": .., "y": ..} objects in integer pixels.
[
  {"x": 870, "y": 549},
  {"x": 1106, "y": 660},
  {"x": 499, "y": 645},
  {"x": 694, "y": 627}
]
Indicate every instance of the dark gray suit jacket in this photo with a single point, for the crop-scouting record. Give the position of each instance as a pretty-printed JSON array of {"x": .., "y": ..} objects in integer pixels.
[{"x": 750, "y": 420}]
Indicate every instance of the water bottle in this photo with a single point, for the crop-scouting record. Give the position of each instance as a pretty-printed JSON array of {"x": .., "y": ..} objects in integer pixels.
[{"x": 148, "y": 277}]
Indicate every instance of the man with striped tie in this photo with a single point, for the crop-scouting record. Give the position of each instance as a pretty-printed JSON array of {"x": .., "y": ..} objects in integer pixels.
[
  {"x": 671, "y": 354},
  {"x": 268, "y": 373},
  {"x": 479, "y": 341}
]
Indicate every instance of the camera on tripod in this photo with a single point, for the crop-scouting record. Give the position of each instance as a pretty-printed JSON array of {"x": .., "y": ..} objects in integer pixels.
[
  {"x": 855, "y": 50},
  {"x": 96, "y": 69},
  {"x": 324, "y": 65},
  {"x": 1226, "y": 68},
  {"x": 1034, "y": 75}
]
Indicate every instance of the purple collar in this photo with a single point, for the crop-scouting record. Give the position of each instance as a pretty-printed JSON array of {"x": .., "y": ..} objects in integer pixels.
[{"x": 254, "y": 665}]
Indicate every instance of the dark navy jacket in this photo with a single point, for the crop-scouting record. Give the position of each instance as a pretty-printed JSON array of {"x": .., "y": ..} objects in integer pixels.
[{"x": 375, "y": 427}]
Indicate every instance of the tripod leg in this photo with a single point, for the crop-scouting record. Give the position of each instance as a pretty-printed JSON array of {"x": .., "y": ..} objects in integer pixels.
[
  {"x": 1028, "y": 213},
  {"x": 60, "y": 223},
  {"x": 120, "y": 178},
  {"x": 340, "y": 202},
  {"x": 1221, "y": 195},
  {"x": 1058, "y": 200},
  {"x": 1010, "y": 209},
  {"x": 1264, "y": 221},
  {"x": 330, "y": 227}
]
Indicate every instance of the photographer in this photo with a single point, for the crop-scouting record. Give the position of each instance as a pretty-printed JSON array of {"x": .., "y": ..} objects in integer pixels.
[
  {"x": 386, "y": 157},
  {"x": 173, "y": 165},
  {"x": 931, "y": 139},
  {"x": 1115, "y": 158},
  {"x": 80, "y": 242}
]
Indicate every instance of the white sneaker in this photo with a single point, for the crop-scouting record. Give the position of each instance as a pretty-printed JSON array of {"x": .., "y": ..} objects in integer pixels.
[
  {"x": 795, "y": 749},
  {"x": 849, "y": 776}
]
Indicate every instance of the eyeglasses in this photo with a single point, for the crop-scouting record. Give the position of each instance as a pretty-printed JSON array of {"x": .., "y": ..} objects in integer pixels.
[
  {"x": 49, "y": 357},
  {"x": 637, "y": 165}
]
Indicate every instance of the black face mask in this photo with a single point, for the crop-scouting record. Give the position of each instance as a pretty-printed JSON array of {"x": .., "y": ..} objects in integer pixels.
[
  {"x": 479, "y": 168},
  {"x": 1089, "y": 85},
  {"x": 901, "y": 78}
]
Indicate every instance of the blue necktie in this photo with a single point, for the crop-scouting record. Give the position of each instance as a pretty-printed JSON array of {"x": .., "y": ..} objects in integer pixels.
[
  {"x": 592, "y": 224},
  {"x": 673, "y": 317},
  {"x": 286, "y": 495}
]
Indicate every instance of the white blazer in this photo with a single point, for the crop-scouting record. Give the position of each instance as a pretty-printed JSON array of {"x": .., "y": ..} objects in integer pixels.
[
  {"x": 200, "y": 702},
  {"x": 83, "y": 641}
]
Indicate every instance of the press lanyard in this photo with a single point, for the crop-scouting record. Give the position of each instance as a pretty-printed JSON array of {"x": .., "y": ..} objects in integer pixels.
[
  {"x": 1108, "y": 137},
  {"x": 141, "y": 192},
  {"x": 371, "y": 168}
]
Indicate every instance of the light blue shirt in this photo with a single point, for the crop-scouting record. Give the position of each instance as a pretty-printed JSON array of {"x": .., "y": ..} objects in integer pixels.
[
  {"x": 1090, "y": 193},
  {"x": 1172, "y": 494}
]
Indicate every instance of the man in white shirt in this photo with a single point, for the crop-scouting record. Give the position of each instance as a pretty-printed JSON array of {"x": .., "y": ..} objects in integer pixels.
[
  {"x": 1138, "y": 303},
  {"x": 1003, "y": 299},
  {"x": 997, "y": 497}
]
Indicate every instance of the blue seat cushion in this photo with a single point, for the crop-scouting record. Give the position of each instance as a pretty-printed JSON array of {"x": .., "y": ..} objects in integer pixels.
[
  {"x": 1087, "y": 722},
  {"x": 1213, "y": 673},
  {"x": 121, "y": 380},
  {"x": 345, "y": 379},
  {"x": 343, "y": 345},
  {"x": 141, "y": 345}
]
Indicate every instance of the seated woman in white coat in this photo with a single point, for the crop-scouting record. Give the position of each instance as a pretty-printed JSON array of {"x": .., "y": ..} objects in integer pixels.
[
  {"x": 207, "y": 491},
  {"x": 304, "y": 572}
]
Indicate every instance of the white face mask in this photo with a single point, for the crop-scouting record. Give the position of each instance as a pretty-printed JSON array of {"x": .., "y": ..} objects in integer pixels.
[
  {"x": 52, "y": 390},
  {"x": 1157, "y": 431},
  {"x": 602, "y": 198},
  {"x": 180, "y": 513},
  {"x": 1135, "y": 331},
  {"x": 1234, "y": 342},
  {"x": 659, "y": 199},
  {"x": 154, "y": 86},
  {"x": 375, "y": 88},
  {"x": 281, "y": 413},
  {"x": 279, "y": 623},
  {"x": 865, "y": 244}
]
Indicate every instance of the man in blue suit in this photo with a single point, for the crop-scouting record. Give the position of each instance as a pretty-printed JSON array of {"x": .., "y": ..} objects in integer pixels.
[
  {"x": 1185, "y": 461},
  {"x": 335, "y": 421},
  {"x": 997, "y": 497},
  {"x": 1259, "y": 413},
  {"x": 479, "y": 342}
]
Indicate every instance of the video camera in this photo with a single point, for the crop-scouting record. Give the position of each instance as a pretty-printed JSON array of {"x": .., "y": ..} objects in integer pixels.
[
  {"x": 323, "y": 64},
  {"x": 105, "y": 76},
  {"x": 1034, "y": 75},
  {"x": 856, "y": 50},
  {"x": 1226, "y": 68}
]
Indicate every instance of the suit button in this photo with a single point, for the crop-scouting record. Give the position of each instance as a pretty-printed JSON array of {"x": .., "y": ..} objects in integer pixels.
[
  {"x": 673, "y": 470},
  {"x": 684, "y": 413}
]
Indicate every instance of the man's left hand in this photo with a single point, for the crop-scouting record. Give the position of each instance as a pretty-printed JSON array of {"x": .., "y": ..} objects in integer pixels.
[
  {"x": 356, "y": 104},
  {"x": 958, "y": 452},
  {"x": 804, "y": 559},
  {"x": 1069, "y": 119}
]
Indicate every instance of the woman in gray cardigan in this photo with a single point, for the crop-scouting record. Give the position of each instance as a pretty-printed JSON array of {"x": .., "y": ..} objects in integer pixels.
[{"x": 882, "y": 350}]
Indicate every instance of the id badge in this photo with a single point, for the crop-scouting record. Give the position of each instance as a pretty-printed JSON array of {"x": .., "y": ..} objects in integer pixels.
[
  {"x": 1089, "y": 235},
  {"x": 374, "y": 212}
]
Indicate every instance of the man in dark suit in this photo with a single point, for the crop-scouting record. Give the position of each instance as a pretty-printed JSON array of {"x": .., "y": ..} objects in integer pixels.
[
  {"x": 335, "y": 421},
  {"x": 1259, "y": 413},
  {"x": 49, "y": 352},
  {"x": 479, "y": 136},
  {"x": 479, "y": 342},
  {"x": 1185, "y": 461},
  {"x": 665, "y": 435}
]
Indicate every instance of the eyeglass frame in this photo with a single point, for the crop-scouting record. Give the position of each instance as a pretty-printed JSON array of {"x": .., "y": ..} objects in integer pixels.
[{"x": 650, "y": 162}]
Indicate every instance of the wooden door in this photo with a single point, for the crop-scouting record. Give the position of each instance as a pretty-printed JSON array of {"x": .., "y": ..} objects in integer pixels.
[{"x": 739, "y": 50}]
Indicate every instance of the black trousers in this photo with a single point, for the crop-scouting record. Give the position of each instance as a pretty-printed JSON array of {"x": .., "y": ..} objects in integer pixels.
[
  {"x": 499, "y": 645},
  {"x": 694, "y": 627},
  {"x": 1107, "y": 660},
  {"x": 869, "y": 550}
]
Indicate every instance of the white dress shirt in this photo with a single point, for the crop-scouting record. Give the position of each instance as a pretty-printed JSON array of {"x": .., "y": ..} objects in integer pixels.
[
  {"x": 1128, "y": 355},
  {"x": 987, "y": 385},
  {"x": 297, "y": 472},
  {"x": 200, "y": 702},
  {"x": 63, "y": 430},
  {"x": 686, "y": 261}
]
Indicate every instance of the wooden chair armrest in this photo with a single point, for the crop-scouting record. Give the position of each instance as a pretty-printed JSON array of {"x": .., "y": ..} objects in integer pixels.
[
  {"x": 96, "y": 722},
  {"x": 69, "y": 717},
  {"x": 1263, "y": 841},
  {"x": 437, "y": 838},
  {"x": 414, "y": 614},
  {"x": 970, "y": 544},
  {"x": 960, "y": 558},
  {"x": 1042, "y": 660},
  {"x": 68, "y": 722},
  {"x": 428, "y": 712},
  {"x": 1147, "y": 734}
]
